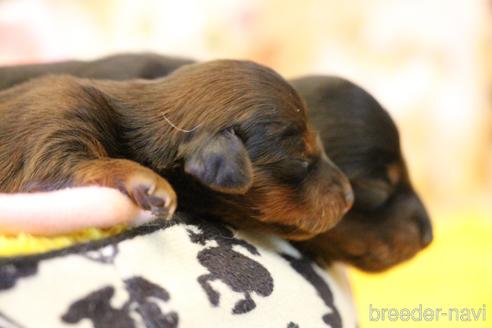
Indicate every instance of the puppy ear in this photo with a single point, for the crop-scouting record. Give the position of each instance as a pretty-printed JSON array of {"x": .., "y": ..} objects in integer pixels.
[{"x": 222, "y": 163}]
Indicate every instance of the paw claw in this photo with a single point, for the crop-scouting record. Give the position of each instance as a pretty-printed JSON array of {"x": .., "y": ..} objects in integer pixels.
[
  {"x": 157, "y": 201},
  {"x": 152, "y": 192},
  {"x": 141, "y": 198}
]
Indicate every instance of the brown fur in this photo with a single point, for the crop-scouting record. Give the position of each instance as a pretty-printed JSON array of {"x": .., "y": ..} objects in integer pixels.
[
  {"x": 388, "y": 222},
  {"x": 227, "y": 134}
]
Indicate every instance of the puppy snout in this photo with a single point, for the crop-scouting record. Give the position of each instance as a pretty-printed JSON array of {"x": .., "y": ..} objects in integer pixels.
[
  {"x": 425, "y": 228},
  {"x": 337, "y": 178},
  {"x": 339, "y": 185},
  {"x": 418, "y": 214}
]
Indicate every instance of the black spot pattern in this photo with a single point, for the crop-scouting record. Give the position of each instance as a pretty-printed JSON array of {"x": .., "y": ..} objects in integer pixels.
[
  {"x": 143, "y": 301},
  {"x": 10, "y": 273},
  {"x": 304, "y": 267},
  {"x": 241, "y": 273}
]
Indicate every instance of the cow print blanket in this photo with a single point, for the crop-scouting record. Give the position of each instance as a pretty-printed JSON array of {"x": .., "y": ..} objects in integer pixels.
[{"x": 181, "y": 273}]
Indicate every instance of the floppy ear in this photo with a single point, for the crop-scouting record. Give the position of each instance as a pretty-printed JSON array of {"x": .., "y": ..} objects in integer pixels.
[{"x": 222, "y": 163}]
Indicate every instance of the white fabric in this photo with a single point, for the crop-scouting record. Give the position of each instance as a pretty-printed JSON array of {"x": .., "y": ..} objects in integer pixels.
[{"x": 152, "y": 279}]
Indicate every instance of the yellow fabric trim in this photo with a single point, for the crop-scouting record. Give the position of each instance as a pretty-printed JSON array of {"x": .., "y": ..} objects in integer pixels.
[{"x": 25, "y": 244}]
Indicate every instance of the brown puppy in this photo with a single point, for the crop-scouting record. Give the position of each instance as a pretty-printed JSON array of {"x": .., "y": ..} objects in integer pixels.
[
  {"x": 231, "y": 131},
  {"x": 117, "y": 67},
  {"x": 388, "y": 222}
]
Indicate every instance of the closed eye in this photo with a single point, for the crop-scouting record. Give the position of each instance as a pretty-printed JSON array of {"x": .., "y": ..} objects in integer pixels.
[
  {"x": 291, "y": 171},
  {"x": 374, "y": 188},
  {"x": 371, "y": 194}
]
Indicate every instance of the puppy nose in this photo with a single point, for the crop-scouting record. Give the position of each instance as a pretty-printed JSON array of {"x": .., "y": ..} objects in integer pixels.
[
  {"x": 336, "y": 176},
  {"x": 425, "y": 227},
  {"x": 426, "y": 236}
]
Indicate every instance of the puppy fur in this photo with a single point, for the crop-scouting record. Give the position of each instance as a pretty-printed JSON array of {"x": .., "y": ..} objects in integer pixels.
[
  {"x": 231, "y": 136},
  {"x": 388, "y": 222},
  {"x": 118, "y": 67}
]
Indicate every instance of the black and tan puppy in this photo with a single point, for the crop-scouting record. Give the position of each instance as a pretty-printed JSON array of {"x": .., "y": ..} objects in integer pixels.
[
  {"x": 388, "y": 222},
  {"x": 232, "y": 136},
  {"x": 118, "y": 67}
]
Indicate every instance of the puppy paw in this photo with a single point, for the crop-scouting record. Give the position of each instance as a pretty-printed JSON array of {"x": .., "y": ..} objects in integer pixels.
[
  {"x": 145, "y": 188},
  {"x": 151, "y": 192}
]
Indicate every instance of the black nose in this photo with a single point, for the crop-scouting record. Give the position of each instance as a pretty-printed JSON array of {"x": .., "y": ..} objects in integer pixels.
[{"x": 425, "y": 227}]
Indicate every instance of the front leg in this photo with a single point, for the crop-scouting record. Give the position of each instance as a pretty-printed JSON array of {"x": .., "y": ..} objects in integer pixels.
[
  {"x": 62, "y": 159},
  {"x": 145, "y": 187}
]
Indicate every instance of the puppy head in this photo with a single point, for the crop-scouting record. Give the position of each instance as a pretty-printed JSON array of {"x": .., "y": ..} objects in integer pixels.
[
  {"x": 388, "y": 222},
  {"x": 251, "y": 143}
]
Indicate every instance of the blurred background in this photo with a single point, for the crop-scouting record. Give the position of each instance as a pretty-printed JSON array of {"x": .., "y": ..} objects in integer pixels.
[{"x": 427, "y": 61}]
